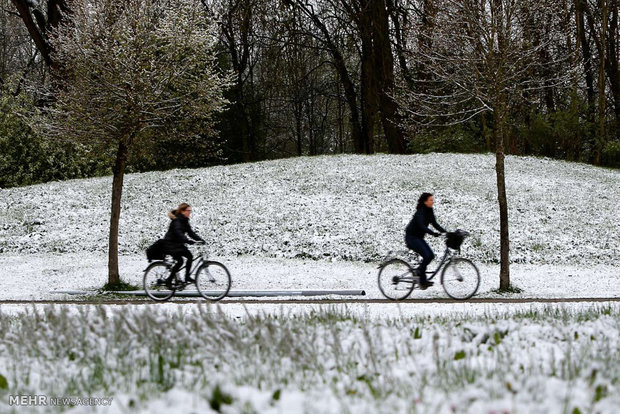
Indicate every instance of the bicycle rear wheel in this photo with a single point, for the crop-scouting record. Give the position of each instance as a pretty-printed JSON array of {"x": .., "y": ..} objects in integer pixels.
[
  {"x": 213, "y": 281},
  {"x": 460, "y": 279},
  {"x": 154, "y": 282},
  {"x": 396, "y": 280}
]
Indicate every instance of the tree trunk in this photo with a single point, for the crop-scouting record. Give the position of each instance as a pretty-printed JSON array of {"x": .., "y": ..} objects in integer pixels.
[
  {"x": 504, "y": 272},
  {"x": 580, "y": 13},
  {"x": 351, "y": 99},
  {"x": 368, "y": 80},
  {"x": 425, "y": 43},
  {"x": 485, "y": 132},
  {"x": 602, "y": 98},
  {"x": 384, "y": 68},
  {"x": 247, "y": 154},
  {"x": 573, "y": 141},
  {"x": 117, "y": 191},
  {"x": 340, "y": 119},
  {"x": 613, "y": 71},
  {"x": 298, "y": 128},
  {"x": 500, "y": 112},
  {"x": 236, "y": 33},
  {"x": 400, "y": 41}
]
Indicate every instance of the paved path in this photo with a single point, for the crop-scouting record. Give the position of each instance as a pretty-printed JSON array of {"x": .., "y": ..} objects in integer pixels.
[{"x": 145, "y": 301}]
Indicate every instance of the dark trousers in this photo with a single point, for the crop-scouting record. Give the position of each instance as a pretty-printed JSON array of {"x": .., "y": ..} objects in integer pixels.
[
  {"x": 178, "y": 257},
  {"x": 423, "y": 249}
]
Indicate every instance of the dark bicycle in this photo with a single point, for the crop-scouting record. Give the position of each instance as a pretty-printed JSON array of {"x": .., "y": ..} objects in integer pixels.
[
  {"x": 460, "y": 277},
  {"x": 212, "y": 279}
]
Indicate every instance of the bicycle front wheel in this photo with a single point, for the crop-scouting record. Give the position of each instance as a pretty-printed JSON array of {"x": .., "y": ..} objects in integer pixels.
[
  {"x": 460, "y": 279},
  {"x": 213, "y": 281},
  {"x": 155, "y": 282},
  {"x": 396, "y": 280}
]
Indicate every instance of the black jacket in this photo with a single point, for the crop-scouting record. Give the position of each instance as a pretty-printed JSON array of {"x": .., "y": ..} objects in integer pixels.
[
  {"x": 418, "y": 226},
  {"x": 179, "y": 226}
]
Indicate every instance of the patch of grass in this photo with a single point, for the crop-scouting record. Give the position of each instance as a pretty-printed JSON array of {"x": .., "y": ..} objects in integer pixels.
[
  {"x": 120, "y": 285},
  {"x": 511, "y": 289},
  {"x": 417, "y": 334},
  {"x": 219, "y": 398},
  {"x": 459, "y": 355}
]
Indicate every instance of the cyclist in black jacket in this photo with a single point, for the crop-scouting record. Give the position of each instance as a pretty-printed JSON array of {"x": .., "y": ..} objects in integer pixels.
[
  {"x": 417, "y": 229},
  {"x": 176, "y": 239}
]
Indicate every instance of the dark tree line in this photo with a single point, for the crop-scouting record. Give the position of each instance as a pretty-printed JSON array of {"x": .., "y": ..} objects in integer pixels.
[
  {"x": 333, "y": 72},
  {"x": 329, "y": 76}
]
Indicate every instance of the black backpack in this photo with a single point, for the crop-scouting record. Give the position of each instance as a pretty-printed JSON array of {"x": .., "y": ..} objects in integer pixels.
[{"x": 156, "y": 251}]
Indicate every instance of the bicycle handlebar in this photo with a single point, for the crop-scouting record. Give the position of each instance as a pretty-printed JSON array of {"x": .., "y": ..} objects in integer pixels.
[{"x": 457, "y": 231}]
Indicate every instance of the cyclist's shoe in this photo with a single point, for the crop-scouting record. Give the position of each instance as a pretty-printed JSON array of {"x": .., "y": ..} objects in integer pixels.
[
  {"x": 419, "y": 275},
  {"x": 169, "y": 282},
  {"x": 189, "y": 280},
  {"x": 425, "y": 285}
]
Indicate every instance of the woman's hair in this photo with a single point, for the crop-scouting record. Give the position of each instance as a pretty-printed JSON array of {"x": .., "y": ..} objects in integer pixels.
[
  {"x": 181, "y": 208},
  {"x": 422, "y": 200}
]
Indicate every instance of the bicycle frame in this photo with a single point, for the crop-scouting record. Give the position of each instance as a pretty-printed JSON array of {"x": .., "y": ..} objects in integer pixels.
[
  {"x": 199, "y": 260},
  {"x": 413, "y": 278},
  {"x": 447, "y": 256}
]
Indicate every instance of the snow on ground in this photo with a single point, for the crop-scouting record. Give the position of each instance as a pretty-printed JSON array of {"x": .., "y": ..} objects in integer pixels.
[
  {"x": 33, "y": 277},
  {"x": 332, "y": 207}
]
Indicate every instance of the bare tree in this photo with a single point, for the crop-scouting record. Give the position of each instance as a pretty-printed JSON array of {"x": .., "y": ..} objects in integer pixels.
[
  {"x": 601, "y": 26},
  {"x": 133, "y": 70},
  {"x": 483, "y": 57},
  {"x": 16, "y": 55},
  {"x": 331, "y": 41},
  {"x": 41, "y": 18},
  {"x": 371, "y": 98},
  {"x": 304, "y": 86},
  {"x": 238, "y": 34}
]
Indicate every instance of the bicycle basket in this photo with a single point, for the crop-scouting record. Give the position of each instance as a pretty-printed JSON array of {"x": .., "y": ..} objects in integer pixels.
[{"x": 455, "y": 239}]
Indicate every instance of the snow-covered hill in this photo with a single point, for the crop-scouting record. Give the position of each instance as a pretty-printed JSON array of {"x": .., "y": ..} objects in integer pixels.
[{"x": 332, "y": 207}]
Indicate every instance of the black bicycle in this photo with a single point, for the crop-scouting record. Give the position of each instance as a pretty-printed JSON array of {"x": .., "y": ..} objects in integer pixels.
[
  {"x": 460, "y": 277},
  {"x": 212, "y": 279}
]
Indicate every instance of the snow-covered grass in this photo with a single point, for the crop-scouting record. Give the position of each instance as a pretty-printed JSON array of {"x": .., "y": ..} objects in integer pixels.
[
  {"x": 540, "y": 360},
  {"x": 332, "y": 207}
]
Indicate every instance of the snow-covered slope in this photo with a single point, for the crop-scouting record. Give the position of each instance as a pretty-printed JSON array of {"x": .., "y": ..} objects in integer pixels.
[{"x": 332, "y": 207}]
